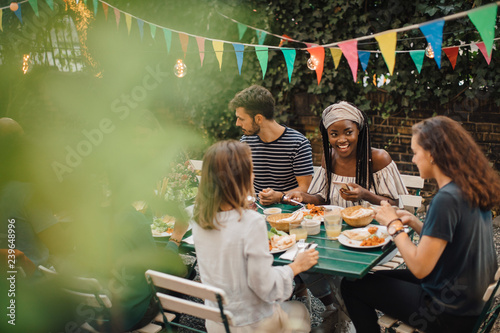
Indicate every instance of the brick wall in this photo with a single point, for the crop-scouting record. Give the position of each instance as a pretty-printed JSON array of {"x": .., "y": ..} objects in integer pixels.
[{"x": 480, "y": 116}]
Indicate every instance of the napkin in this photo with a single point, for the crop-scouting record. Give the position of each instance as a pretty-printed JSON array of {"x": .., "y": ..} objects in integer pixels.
[
  {"x": 188, "y": 240},
  {"x": 290, "y": 253}
]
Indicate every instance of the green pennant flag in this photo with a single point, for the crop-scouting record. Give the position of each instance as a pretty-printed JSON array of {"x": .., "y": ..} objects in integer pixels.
[
  {"x": 418, "y": 58},
  {"x": 1, "y": 13},
  {"x": 152, "y": 27},
  {"x": 168, "y": 38},
  {"x": 261, "y": 36},
  {"x": 51, "y": 3},
  {"x": 34, "y": 5},
  {"x": 290, "y": 60},
  {"x": 241, "y": 30},
  {"x": 263, "y": 56},
  {"x": 95, "y": 7},
  {"x": 484, "y": 18}
]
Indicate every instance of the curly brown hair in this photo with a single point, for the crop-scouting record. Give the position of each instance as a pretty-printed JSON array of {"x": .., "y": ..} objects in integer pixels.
[{"x": 459, "y": 157}]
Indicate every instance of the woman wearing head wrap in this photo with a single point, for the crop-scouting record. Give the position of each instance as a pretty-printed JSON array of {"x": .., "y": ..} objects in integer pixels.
[{"x": 370, "y": 173}]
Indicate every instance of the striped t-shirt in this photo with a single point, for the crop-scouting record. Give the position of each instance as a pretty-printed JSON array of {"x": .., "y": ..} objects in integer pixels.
[{"x": 277, "y": 163}]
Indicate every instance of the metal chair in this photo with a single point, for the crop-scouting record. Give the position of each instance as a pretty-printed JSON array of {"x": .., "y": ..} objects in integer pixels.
[{"x": 177, "y": 304}]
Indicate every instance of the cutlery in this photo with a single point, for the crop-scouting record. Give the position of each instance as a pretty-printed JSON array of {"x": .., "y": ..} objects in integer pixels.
[
  {"x": 300, "y": 246},
  {"x": 253, "y": 200},
  {"x": 294, "y": 201}
]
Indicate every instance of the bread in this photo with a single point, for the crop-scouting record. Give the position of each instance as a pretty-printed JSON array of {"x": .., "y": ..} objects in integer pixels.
[{"x": 356, "y": 234}]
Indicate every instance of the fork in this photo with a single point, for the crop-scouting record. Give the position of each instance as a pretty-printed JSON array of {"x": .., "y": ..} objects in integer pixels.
[{"x": 300, "y": 246}]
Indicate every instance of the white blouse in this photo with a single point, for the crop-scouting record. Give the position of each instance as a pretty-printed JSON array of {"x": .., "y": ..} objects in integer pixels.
[{"x": 387, "y": 181}]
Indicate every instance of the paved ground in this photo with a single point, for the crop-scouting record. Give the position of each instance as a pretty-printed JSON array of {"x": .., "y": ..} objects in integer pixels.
[{"x": 317, "y": 306}]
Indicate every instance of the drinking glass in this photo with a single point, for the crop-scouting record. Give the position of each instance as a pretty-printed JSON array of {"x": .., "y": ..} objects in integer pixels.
[
  {"x": 333, "y": 223},
  {"x": 297, "y": 229}
]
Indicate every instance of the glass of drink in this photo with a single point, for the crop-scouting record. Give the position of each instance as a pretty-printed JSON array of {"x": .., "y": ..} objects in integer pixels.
[
  {"x": 333, "y": 223},
  {"x": 297, "y": 229}
]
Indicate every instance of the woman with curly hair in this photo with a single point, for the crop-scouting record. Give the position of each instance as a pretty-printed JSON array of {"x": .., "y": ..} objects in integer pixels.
[
  {"x": 448, "y": 272},
  {"x": 348, "y": 158}
]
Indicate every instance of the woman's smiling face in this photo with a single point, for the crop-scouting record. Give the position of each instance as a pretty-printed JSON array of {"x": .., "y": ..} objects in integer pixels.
[{"x": 343, "y": 136}]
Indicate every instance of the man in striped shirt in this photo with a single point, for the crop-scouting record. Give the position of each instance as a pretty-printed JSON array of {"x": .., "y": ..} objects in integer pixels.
[{"x": 282, "y": 157}]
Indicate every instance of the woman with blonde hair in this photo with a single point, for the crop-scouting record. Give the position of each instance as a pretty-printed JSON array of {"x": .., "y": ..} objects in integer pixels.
[
  {"x": 233, "y": 251},
  {"x": 448, "y": 272}
]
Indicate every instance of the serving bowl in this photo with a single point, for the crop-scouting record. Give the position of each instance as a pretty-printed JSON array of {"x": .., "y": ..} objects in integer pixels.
[
  {"x": 349, "y": 216},
  {"x": 312, "y": 226},
  {"x": 276, "y": 221}
]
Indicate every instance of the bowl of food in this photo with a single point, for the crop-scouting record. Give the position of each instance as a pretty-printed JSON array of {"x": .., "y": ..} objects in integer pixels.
[
  {"x": 271, "y": 211},
  {"x": 357, "y": 216},
  {"x": 282, "y": 221},
  {"x": 312, "y": 226}
]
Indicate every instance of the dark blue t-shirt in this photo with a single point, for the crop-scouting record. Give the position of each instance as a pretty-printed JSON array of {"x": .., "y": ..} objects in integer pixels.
[{"x": 468, "y": 263}]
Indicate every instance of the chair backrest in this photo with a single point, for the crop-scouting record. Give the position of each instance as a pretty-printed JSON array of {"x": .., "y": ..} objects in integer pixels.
[
  {"x": 190, "y": 288},
  {"x": 490, "y": 312},
  {"x": 411, "y": 202}
]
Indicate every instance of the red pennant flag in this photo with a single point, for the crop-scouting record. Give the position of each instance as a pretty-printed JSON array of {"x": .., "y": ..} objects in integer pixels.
[
  {"x": 318, "y": 53},
  {"x": 350, "y": 51},
  {"x": 201, "y": 48},
  {"x": 184, "y": 42},
  {"x": 105, "y": 10},
  {"x": 117, "y": 17},
  {"x": 452, "y": 53},
  {"x": 482, "y": 47}
]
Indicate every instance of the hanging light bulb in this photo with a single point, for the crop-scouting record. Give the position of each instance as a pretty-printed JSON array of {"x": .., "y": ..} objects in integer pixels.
[
  {"x": 14, "y": 6},
  {"x": 429, "y": 52},
  {"x": 180, "y": 68},
  {"x": 312, "y": 63},
  {"x": 26, "y": 64}
]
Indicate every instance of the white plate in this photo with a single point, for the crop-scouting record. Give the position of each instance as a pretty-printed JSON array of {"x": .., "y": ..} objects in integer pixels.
[
  {"x": 273, "y": 251},
  {"x": 344, "y": 240},
  {"x": 168, "y": 234}
]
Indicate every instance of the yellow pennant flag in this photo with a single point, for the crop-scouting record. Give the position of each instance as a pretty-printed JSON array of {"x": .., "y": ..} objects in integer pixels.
[
  {"x": 1, "y": 10},
  {"x": 128, "y": 20},
  {"x": 387, "y": 43},
  {"x": 219, "y": 49},
  {"x": 336, "y": 54}
]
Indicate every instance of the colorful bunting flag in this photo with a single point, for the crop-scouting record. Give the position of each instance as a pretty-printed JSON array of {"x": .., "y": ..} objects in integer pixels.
[
  {"x": 336, "y": 55},
  {"x": 418, "y": 58},
  {"x": 238, "y": 48},
  {"x": 452, "y": 53},
  {"x": 318, "y": 53},
  {"x": 140, "y": 24},
  {"x": 168, "y": 38},
  {"x": 105, "y": 10},
  {"x": 483, "y": 50},
  {"x": 34, "y": 5},
  {"x": 433, "y": 32},
  {"x": 117, "y": 17},
  {"x": 128, "y": 21},
  {"x": 350, "y": 50},
  {"x": 152, "y": 28},
  {"x": 364, "y": 57},
  {"x": 219, "y": 51},
  {"x": 184, "y": 42},
  {"x": 95, "y": 7},
  {"x": 51, "y": 3},
  {"x": 201, "y": 47},
  {"x": 387, "y": 43},
  {"x": 1, "y": 14},
  {"x": 261, "y": 36},
  {"x": 484, "y": 19},
  {"x": 289, "y": 55},
  {"x": 241, "y": 30},
  {"x": 263, "y": 56},
  {"x": 18, "y": 14}
]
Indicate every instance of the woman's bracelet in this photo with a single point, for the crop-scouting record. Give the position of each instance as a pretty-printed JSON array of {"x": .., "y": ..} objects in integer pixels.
[{"x": 172, "y": 239}]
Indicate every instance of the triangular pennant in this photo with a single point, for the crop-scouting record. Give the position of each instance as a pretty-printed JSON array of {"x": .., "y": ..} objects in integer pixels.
[
  {"x": 239, "y": 48},
  {"x": 289, "y": 55},
  {"x": 1, "y": 14},
  {"x": 34, "y": 5},
  {"x": 168, "y": 38},
  {"x": 336, "y": 55},
  {"x": 140, "y": 24},
  {"x": 241, "y": 30},
  {"x": 263, "y": 56},
  {"x": 201, "y": 48},
  {"x": 318, "y": 52},
  {"x": 184, "y": 42},
  {"x": 350, "y": 50},
  {"x": 482, "y": 47},
  {"x": 152, "y": 28},
  {"x": 19, "y": 14},
  {"x": 105, "y": 10},
  {"x": 433, "y": 32},
  {"x": 484, "y": 19},
  {"x": 128, "y": 21},
  {"x": 418, "y": 58},
  {"x": 51, "y": 3},
  {"x": 261, "y": 36},
  {"x": 95, "y": 7},
  {"x": 452, "y": 53},
  {"x": 364, "y": 57},
  {"x": 117, "y": 17},
  {"x": 387, "y": 44},
  {"x": 219, "y": 51}
]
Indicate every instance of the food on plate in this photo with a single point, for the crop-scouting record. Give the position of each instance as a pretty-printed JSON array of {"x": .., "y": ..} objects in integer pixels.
[
  {"x": 282, "y": 242},
  {"x": 372, "y": 241},
  {"x": 315, "y": 210},
  {"x": 356, "y": 234},
  {"x": 372, "y": 230},
  {"x": 162, "y": 224},
  {"x": 295, "y": 217}
]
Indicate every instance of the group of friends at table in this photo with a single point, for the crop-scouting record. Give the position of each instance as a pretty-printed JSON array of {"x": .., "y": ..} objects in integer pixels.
[{"x": 455, "y": 255}]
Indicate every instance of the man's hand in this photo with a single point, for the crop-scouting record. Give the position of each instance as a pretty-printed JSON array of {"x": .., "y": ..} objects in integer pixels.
[{"x": 269, "y": 196}]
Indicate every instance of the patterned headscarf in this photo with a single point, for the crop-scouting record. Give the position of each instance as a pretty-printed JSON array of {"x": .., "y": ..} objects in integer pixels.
[{"x": 342, "y": 111}]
